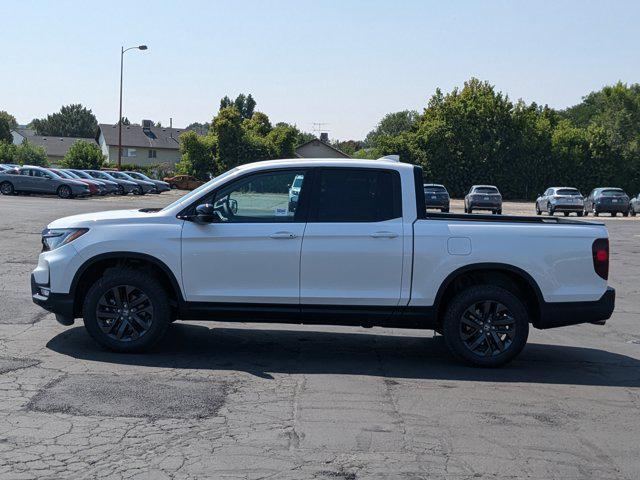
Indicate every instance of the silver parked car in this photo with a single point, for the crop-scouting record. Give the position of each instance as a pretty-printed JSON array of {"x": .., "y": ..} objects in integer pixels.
[
  {"x": 143, "y": 185},
  {"x": 483, "y": 197},
  {"x": 560, "y": 199},
  {"x": 124, "y": 186},
  {"x": 30, "y": 179},
  {"x": 634, "y": 205},
  {"x": 160, "y": 185}
]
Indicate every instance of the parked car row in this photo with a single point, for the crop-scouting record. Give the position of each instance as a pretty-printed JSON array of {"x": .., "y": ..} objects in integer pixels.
[
  {"x": 70, "y": 183},
  {"x": 565, "y": 200}
]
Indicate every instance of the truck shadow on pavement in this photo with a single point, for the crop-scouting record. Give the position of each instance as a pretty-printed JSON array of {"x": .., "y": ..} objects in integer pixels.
[{"x": 261, "y": 351}]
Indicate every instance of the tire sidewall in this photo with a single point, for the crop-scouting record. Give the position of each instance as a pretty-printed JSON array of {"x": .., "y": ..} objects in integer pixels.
[
  {"x": 146, "y": 283},
  {"x": 464, "y": 299},
  {"x": 10, "y": 190},
  {"x": 64, "y": 188}
]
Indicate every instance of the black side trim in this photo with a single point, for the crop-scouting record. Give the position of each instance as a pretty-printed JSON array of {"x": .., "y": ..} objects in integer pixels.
[
  {"x": 561, "y": 314},
  {"x": 421, "y": 205},
  {"x": 506, "y": 219},
  {"x": 346, "y": 315}
]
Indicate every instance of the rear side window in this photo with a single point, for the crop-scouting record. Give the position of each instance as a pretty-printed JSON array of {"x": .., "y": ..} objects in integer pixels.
[
  {"x": 356, "y": 195},
  {"x": 612, "y": 193},
  {"x": 567, "y": 191},
  {"x": 486, "y": 190},
  {"x": 434, "y": 189}
]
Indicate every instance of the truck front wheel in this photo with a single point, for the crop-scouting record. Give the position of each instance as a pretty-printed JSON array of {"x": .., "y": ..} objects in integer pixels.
[
  {"x": 486, "y": 326},
  {"x": 126, "y": 310}
]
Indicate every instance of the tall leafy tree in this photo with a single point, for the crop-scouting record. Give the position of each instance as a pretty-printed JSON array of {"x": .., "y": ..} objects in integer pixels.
[
  {"x": 5, "y": 130},
  {"x": 71, "y": 121},
  {"x": 83, "y": 155},
  {"x": 198, "y": 155},
  {"x": 11, "y": 120}
]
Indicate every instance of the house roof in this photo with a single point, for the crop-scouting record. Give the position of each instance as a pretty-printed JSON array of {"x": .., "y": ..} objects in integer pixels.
[
  {"x": 136, "y": 136},
  {"x": 56, "y": 146},
  {"x": 319, "y": 142}
]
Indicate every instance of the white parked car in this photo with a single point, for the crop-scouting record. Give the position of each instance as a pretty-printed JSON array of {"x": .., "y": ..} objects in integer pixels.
[{"x": 359, "y": 249}]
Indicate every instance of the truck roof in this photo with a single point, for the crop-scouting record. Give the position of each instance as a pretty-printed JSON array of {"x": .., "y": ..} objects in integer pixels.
[{"x": 327, "y": 162}]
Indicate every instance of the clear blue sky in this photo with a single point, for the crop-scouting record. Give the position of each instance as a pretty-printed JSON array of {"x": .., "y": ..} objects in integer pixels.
[{"x": 342, "y": 62}]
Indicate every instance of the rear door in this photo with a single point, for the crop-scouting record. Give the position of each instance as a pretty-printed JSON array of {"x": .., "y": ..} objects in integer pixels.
[{"x": 353, "y": 243}]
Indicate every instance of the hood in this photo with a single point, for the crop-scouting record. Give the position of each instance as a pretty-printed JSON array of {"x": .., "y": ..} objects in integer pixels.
[{"x": 92, "y": 219}]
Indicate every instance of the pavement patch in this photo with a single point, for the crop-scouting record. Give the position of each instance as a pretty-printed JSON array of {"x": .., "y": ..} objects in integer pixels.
[
  {"x": 11, "y": 364},
  {"x": 131, "y": 396}
]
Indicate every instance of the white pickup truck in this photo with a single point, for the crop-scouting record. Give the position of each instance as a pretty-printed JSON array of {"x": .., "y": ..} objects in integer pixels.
[{"x": 356, "y": 248}]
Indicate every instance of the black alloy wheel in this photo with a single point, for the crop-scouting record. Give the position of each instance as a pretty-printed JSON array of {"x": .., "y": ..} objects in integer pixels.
[
  {"x": 64, "y": 191},
  {"x": 124, "y": 313},
  {"x": 6, "y": 188}
]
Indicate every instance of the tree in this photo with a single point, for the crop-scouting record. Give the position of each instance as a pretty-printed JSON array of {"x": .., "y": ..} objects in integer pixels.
[
  {"x": 11, "y": 120},
  {"x": 282, "y": 141},
  {"x": 5, "y": 131},
  {"x": 125, "y": 121},
  {"x": 249, "y": 107},
  {"x": 227, "y": 127},
  {"x": 198, "y": 155},
  {"x": 83, "y": 155},
  {"x": 8, "y": 152},
  {"x": 72, "y": 121},
  {"x": 29, "y": 154},
  {"x": 225, "y": 102},
  {"x": 259, "y": 123},
  {"x": 392, "y": 124}
]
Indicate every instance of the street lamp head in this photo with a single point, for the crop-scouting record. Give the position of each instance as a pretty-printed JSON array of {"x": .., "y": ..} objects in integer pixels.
[{"x": 142, "y": 47}]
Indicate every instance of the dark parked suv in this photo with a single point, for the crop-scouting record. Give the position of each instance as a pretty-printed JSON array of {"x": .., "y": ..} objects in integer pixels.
[
  {"x": 483, "y": 197},
  {"x": 436, "y": 196},
  {"x": 607, "y": 200}
]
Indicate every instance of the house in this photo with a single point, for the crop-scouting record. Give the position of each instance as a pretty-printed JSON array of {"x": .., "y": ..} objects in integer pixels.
[
  {"x": 143, "y": 144},
  {"x": 319, "y": 148},
  {"x": 56, "y": 147}
]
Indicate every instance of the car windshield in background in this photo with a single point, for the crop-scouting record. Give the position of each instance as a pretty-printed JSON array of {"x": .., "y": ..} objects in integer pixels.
[
  {"x": 613, "y": 193},
  {"x": 568, "y": 191},
  {"x": 486, "y": 190},
  {"x": 435, "y": 190},
  {"x": 120, "y": 175}
]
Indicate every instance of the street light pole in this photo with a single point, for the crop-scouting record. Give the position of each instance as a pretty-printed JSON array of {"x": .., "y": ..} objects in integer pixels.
[{"x": 122, "y": 50}]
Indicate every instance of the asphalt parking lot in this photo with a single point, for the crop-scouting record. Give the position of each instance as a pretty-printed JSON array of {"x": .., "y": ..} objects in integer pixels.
[{"x": 277, "y": 401}]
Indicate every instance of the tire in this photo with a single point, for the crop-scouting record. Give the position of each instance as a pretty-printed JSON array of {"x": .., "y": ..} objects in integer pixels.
[
  {"x": 64, "y": 191},
  {"x": 625, "y": 214},
  {"x": 120, "y": 190},
  {"x": 538, "y": 211},
  {"x": 614, "y": 214},
  {"x": 135, "y": 335},
  {"x": 595, "y": 211},
  {"x": 579, "y": 214},
  {"x": 6, "y": 188},
  {"x": 550, "y": 209},
  {"x": 499, "y": 212},
  {"x": 469, "y": 210},
  {"x": 137, "y": 191},
  {"x": 444, "y": 210},
  {"x": 566, "y": 214},
  {"x": 632, "y": 212},
  {"x": 494, "y": 212},
  {"x": 516, "y": 332}
]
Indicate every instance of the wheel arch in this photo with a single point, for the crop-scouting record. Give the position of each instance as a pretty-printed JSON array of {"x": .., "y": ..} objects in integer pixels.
[
  {"x": 508, "y": 276},
  {"x": 94, "y": 268}
]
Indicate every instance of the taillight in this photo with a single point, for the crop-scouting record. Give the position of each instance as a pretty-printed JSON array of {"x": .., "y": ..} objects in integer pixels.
[{"x": 600, "y": 250}]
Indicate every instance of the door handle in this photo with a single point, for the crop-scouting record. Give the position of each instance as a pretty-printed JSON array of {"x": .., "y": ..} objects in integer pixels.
[
  {"x": 284, "y": 235},
  {"x": 384, "y": 235}
]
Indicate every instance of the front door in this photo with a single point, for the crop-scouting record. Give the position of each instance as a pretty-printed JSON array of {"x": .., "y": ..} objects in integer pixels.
[
  {"x": 352, "y": 252},
  {"x": 251, "y": 253}
]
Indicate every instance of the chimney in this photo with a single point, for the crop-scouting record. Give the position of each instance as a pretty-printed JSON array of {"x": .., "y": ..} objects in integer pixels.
[
  {"x": 324, "y": 137},
  {"x": 170, "y": 122}
]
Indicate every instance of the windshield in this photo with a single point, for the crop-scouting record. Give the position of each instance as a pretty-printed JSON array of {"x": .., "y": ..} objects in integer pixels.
[
  {"x": 104, "y": 175},
  {"x": 568, "y": 191},
  {"x": 613, "y": 193},
  {"x": 194, "y": 193},
  {"x": 70, "y": 174},
  {"x": 120, "y": 175},
  {"x": 82, "y": 174},
  {"x": 55, "y": 174},
  {"x": 137, "y": 175},
  {"x": 435, "y": 189},
  {"x": 486, "y": 190}
]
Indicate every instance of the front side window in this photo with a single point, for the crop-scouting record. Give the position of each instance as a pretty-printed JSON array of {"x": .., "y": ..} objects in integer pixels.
[
  {"x": 357, "y": 195},
  {"x": 260, "y": 198}
]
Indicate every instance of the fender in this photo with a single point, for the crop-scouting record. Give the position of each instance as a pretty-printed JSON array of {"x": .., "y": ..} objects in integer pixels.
[
  {"x": 487, "y": 266},
  {"x": 122, "y": 255}
]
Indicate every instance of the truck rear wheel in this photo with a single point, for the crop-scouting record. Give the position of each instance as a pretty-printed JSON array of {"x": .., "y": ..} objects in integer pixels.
[
  {"x": 126, "y": 311},
  {"x": 486, "y": 326}
]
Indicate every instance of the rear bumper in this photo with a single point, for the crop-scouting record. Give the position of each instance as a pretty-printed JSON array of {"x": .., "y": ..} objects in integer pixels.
[
  {"x": 59, "y": 303},
  {"x": 485, "y": 206},
  {"x": 568, "y": 208},
  {"x": 609, "y": 208},
  {"x": 562, "y": 314}
]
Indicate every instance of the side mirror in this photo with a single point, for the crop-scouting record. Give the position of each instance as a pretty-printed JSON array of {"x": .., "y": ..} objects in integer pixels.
[{"x": 205, "y": 213}]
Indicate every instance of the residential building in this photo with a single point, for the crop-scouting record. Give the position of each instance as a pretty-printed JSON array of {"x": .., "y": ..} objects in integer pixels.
[
  {"x": 56, "y": 147},
  {"x": 143, "y": 144},
  {"x": 319, "y": 148}
]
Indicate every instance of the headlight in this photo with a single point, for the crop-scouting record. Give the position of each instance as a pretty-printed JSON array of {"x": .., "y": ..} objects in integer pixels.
[{"x": 57, "y": 237}]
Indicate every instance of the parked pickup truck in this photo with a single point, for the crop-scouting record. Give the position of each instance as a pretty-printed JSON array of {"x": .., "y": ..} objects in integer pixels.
[{"x": 359, "y": 249}]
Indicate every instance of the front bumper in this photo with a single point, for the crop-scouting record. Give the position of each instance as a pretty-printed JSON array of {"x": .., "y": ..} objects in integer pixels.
[
  {"x": 59, "y": 303},
  {"x": 562, "y": 314}
]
